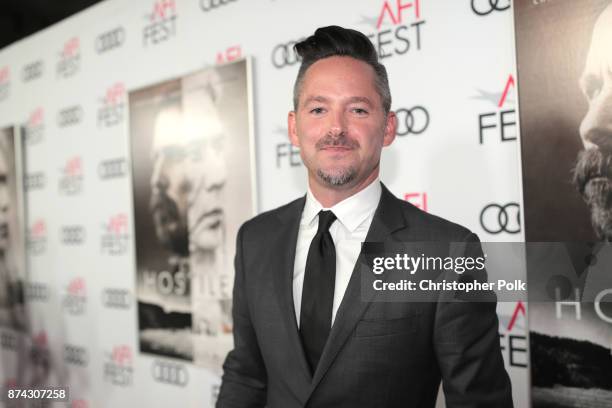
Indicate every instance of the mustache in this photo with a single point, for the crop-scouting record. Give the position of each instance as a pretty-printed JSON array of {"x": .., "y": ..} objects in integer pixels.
[
  {"x": 163, "y": 205},
  {"x": 591, "y": 164},
  {"x": 337, "y": 140}
]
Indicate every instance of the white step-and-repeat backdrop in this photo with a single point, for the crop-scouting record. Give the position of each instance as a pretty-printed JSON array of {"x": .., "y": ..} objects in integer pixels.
[{"x": 452, "y": 75}]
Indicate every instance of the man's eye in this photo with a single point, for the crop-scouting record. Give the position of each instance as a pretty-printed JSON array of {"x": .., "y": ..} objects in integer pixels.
[
  {"x": 317, "y": 110},
  {"x": 360, "y": 111}
]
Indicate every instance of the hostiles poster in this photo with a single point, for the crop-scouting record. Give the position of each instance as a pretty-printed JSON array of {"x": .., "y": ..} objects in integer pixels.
[
  {"x": 565, "y": 98},
  {"x": 193, "y": 186}
]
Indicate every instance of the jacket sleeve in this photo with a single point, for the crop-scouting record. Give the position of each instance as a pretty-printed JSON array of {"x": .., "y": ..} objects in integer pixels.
[
  {"x": 466, "y": 341},
  {"x": 244, "y": 374}
]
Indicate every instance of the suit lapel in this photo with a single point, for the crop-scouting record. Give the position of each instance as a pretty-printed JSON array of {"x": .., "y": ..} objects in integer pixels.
[
  {"x": 387, "y": 219},
  {"x": 283, "y": 279}
]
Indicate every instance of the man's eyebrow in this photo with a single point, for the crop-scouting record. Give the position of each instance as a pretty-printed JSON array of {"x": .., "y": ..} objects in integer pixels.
[
  {"x": 316, "y": 98},
  {"x": 360, "y": 99}
]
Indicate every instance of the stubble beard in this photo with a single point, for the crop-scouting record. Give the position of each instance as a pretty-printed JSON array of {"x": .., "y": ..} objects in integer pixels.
[{"x": 338, "y": 178}]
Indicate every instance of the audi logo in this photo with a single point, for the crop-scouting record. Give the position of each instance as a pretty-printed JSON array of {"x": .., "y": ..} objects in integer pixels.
[
  {"x": 69, "y": 116},
  {"x": 412, "y": 121},
  {"x": 170, "y": 373},
  {"x": 73, "y": 234},
  {"x": 37, "y": 291},
  {"x": 284, "y": 55},
  {"x": 32, "y": 71},
  {"x": 486, "y": 7},
  {"x": 34, "y": 181},
  {"x": 116, "y": 298},
  {"x": 109, "y": 40},
  {"x": 8, "y": 341},
  {"x": 112, "y": 168},
  {"x": 496, "y": 218},
  {"x": 75, "y": 355},
  {"x": 208, "y": 5}
]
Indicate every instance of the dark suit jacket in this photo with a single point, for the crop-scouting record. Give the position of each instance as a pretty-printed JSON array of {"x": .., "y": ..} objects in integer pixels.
[{"x": 377, "y": 354}]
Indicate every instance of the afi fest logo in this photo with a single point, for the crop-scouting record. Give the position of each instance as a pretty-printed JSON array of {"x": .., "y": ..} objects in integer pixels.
[
  {"x": 419, "y": 199},
  {"x": 412, "y": 121},
  {"x": 500, "y": 122},
  {"x": 484, "y": 8},
  {"x": 71, "y": 177},
  {"x": 32, "y": 71},
  {"x": 40, "y": 357},
  {"x": 512, "y": 335},
  {"x": 229, "y": 54},
  {"x": 37, "y": 237},
  {"x": 69, "y": 58},
  {"x": 5, "y": 83},
  {"x": 161, "y": 23},
  {"x": 167, "y": 372},
  {"x": 286, "y": 153},
  {"x": 398, "y": 27},
  {"x": 118, "y": 366},
  {"x": 34, "y": 181},
  {"x": 115, "y": 238},
  {"x": 498, "y": 218},
  {"x": 112, "y": 168},
  {"x": 210, "y": 5},
  {"x": 75, "y": 297},
  {"x": 112, "y": 106},
  {"x": 110, "y": 40},
  {"x": 35, "y": 128}
]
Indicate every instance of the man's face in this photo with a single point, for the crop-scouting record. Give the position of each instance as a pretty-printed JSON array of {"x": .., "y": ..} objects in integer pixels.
[
  {"x": 4, "y": 203},
  {"x": 339, "y": 125},
  {"x": 593, "y": 173},
  {"x": 187, "y": 184}
]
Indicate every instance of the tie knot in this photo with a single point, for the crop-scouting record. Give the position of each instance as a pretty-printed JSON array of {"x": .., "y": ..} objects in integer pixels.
[{"x": 326, "y": 219}]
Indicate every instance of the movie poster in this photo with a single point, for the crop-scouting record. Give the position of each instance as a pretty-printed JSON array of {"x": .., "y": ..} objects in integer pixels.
[
  {"x": 564, "y": 58},
  {"x": 193, "y": 183}
]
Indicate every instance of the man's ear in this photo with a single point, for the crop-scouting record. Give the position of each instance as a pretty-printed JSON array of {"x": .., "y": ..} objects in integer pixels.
[
  {"x": 292, "y": 129},
  {"x": 390, "y": 128}
]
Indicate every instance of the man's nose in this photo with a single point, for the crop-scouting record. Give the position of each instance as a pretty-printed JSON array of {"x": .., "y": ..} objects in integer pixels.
[
  {"x": 216, "y": 172},
  {"x": 159, "y": 181},
  {"x": 338, "y": 123},
  {"x": 596, "y": 127}
]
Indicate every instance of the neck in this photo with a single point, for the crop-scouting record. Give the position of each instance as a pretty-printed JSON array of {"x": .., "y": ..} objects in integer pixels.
[{"x": 329, "y": 196}]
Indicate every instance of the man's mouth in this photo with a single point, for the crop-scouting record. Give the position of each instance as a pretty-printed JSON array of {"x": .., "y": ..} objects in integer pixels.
[{"x": 210, "y": 220}]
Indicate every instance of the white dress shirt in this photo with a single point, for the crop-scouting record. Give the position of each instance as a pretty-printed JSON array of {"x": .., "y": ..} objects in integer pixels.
[{"x": 354, "y": 216}]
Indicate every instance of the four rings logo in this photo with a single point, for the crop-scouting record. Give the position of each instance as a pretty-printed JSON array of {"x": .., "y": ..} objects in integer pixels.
[
  {"x": 496, "y": 218},
  {"x": 34, "y": 181},
  {"x": 32, "y": 71},
  {"x": 70, "y": 116},
  {"x": 162, "y": 23},
  {"x": 170, "y": 373},
  {"x": 75, "y": 355},
  {"x": 112, "y": 168},
  {"x": 412, "y": 121},
  {"x": 209, "y": 5},
  {"x": 110, "y": 40},
  {"x": 284, "y": 55},
  {"x": 36, "y": 291},
  {"x": 486, "y": 7},
  {"x": 73, "y": 234},
  {"x": 115, "y": 298},
  {"x": 8, "y": 341}
]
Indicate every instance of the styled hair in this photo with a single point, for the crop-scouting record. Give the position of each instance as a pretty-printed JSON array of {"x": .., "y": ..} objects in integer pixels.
[{"x": 337, "y": 41}]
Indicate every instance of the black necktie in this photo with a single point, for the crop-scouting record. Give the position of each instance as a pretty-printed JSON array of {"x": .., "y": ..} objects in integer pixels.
[{"x": 318, "y": 291}]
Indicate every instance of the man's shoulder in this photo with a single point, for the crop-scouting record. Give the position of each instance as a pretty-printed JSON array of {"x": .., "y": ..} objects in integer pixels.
[
  {"x": 266, "y": 222},
  {"x": 430, "y": 227}
]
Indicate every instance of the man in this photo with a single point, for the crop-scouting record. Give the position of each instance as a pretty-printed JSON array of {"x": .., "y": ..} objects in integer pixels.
[
  {"x": 187, "y": 186},
  {"x": 593, "y": 175},
  {"x": 303, "y": 335}
]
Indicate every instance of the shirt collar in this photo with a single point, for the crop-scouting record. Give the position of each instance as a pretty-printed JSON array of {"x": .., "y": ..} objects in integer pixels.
[{"x": 351, "y": 211}]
